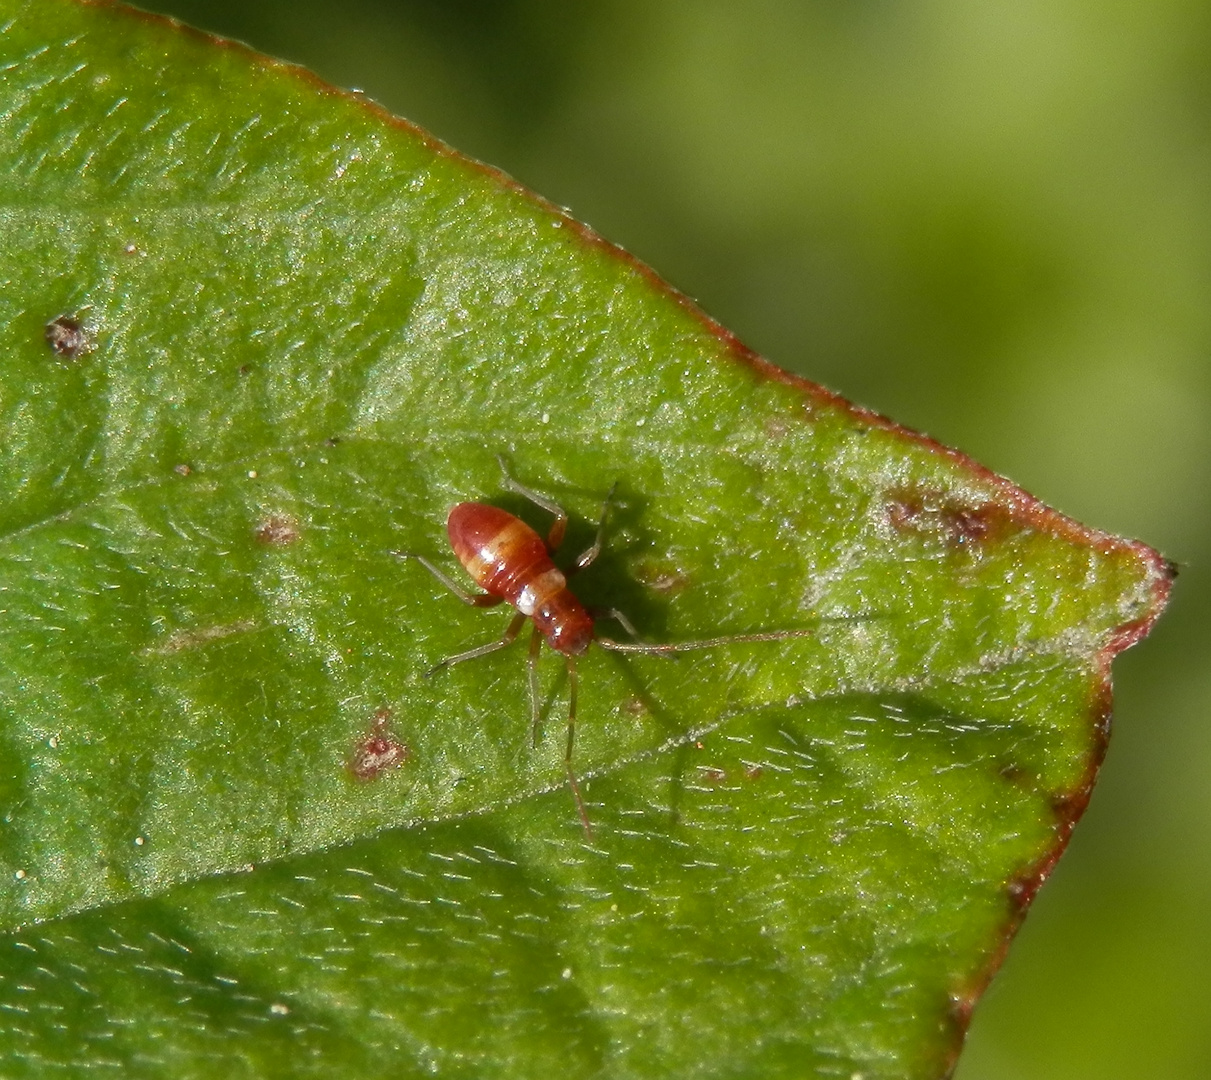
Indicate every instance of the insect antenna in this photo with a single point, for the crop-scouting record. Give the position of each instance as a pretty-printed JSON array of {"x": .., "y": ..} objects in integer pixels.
[
  {"x": 637, "y": 645},
  {"x": 704, "y": 643}
]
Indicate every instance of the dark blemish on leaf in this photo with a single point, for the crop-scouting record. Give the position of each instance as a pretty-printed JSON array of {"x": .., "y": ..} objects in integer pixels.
[
  {"x": 935, "y": 513},
  {"x": 331, "y": 441},
  {"x": 67, "y": 337},
  {"x": 277, "y": 530},
  {"x": 377, "y": 750},
  {"x": 1018, "y": 890},
  {"x": 709, "y": 774},
  {"x": 634, "y": 707},
  {"x": 182, "y": 469},
  {"x": 1069, "y": 806},
  {"x": 179, "y": 640},
  {"x": 753, "y": 772},
  {"x": 1013, "y": 772},
  {"x": 244, "y": 369}
]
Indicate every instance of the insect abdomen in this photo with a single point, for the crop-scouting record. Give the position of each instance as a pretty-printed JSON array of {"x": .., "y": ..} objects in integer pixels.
[
  {"x": 503, "y": 555},
  {"x": 507, "y": 558}
]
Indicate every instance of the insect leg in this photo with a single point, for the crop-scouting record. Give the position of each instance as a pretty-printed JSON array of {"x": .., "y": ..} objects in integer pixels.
[
  {"x": 532, "y": 665},
  {"x": 591, "y": 553},
  {"x": 618, "y": 617},
  {"x": 474, "y": 599},
  {"x": 559, "y": 526},
  {"x": 510, "y": 634},
  {"x": 567, "y": 757}
]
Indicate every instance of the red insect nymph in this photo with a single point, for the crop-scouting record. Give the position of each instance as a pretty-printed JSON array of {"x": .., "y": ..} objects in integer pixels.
[
  {"x": 511, "y": 562},
  {"x": 508, "y": 559}
]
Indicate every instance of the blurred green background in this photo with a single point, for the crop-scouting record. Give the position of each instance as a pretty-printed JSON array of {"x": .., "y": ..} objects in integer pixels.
[{"x": 991, "y": 222}]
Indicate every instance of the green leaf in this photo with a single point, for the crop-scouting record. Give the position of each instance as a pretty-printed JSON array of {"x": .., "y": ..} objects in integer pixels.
[{"x": 287, "y": 333}]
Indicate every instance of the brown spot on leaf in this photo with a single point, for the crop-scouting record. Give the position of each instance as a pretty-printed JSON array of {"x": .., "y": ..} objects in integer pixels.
[
  {"x": 182, "y": 469},
  {"x": 938, "y": 514},
  {"x": 753, "y": 772},
  {"x": 277, "y": 530},
  {"x": 377, "y": 750},
  {"x": 68, "y": 337},
  {"x": 709, "y": 774},
  {"x": 1014, "y": 774}
]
